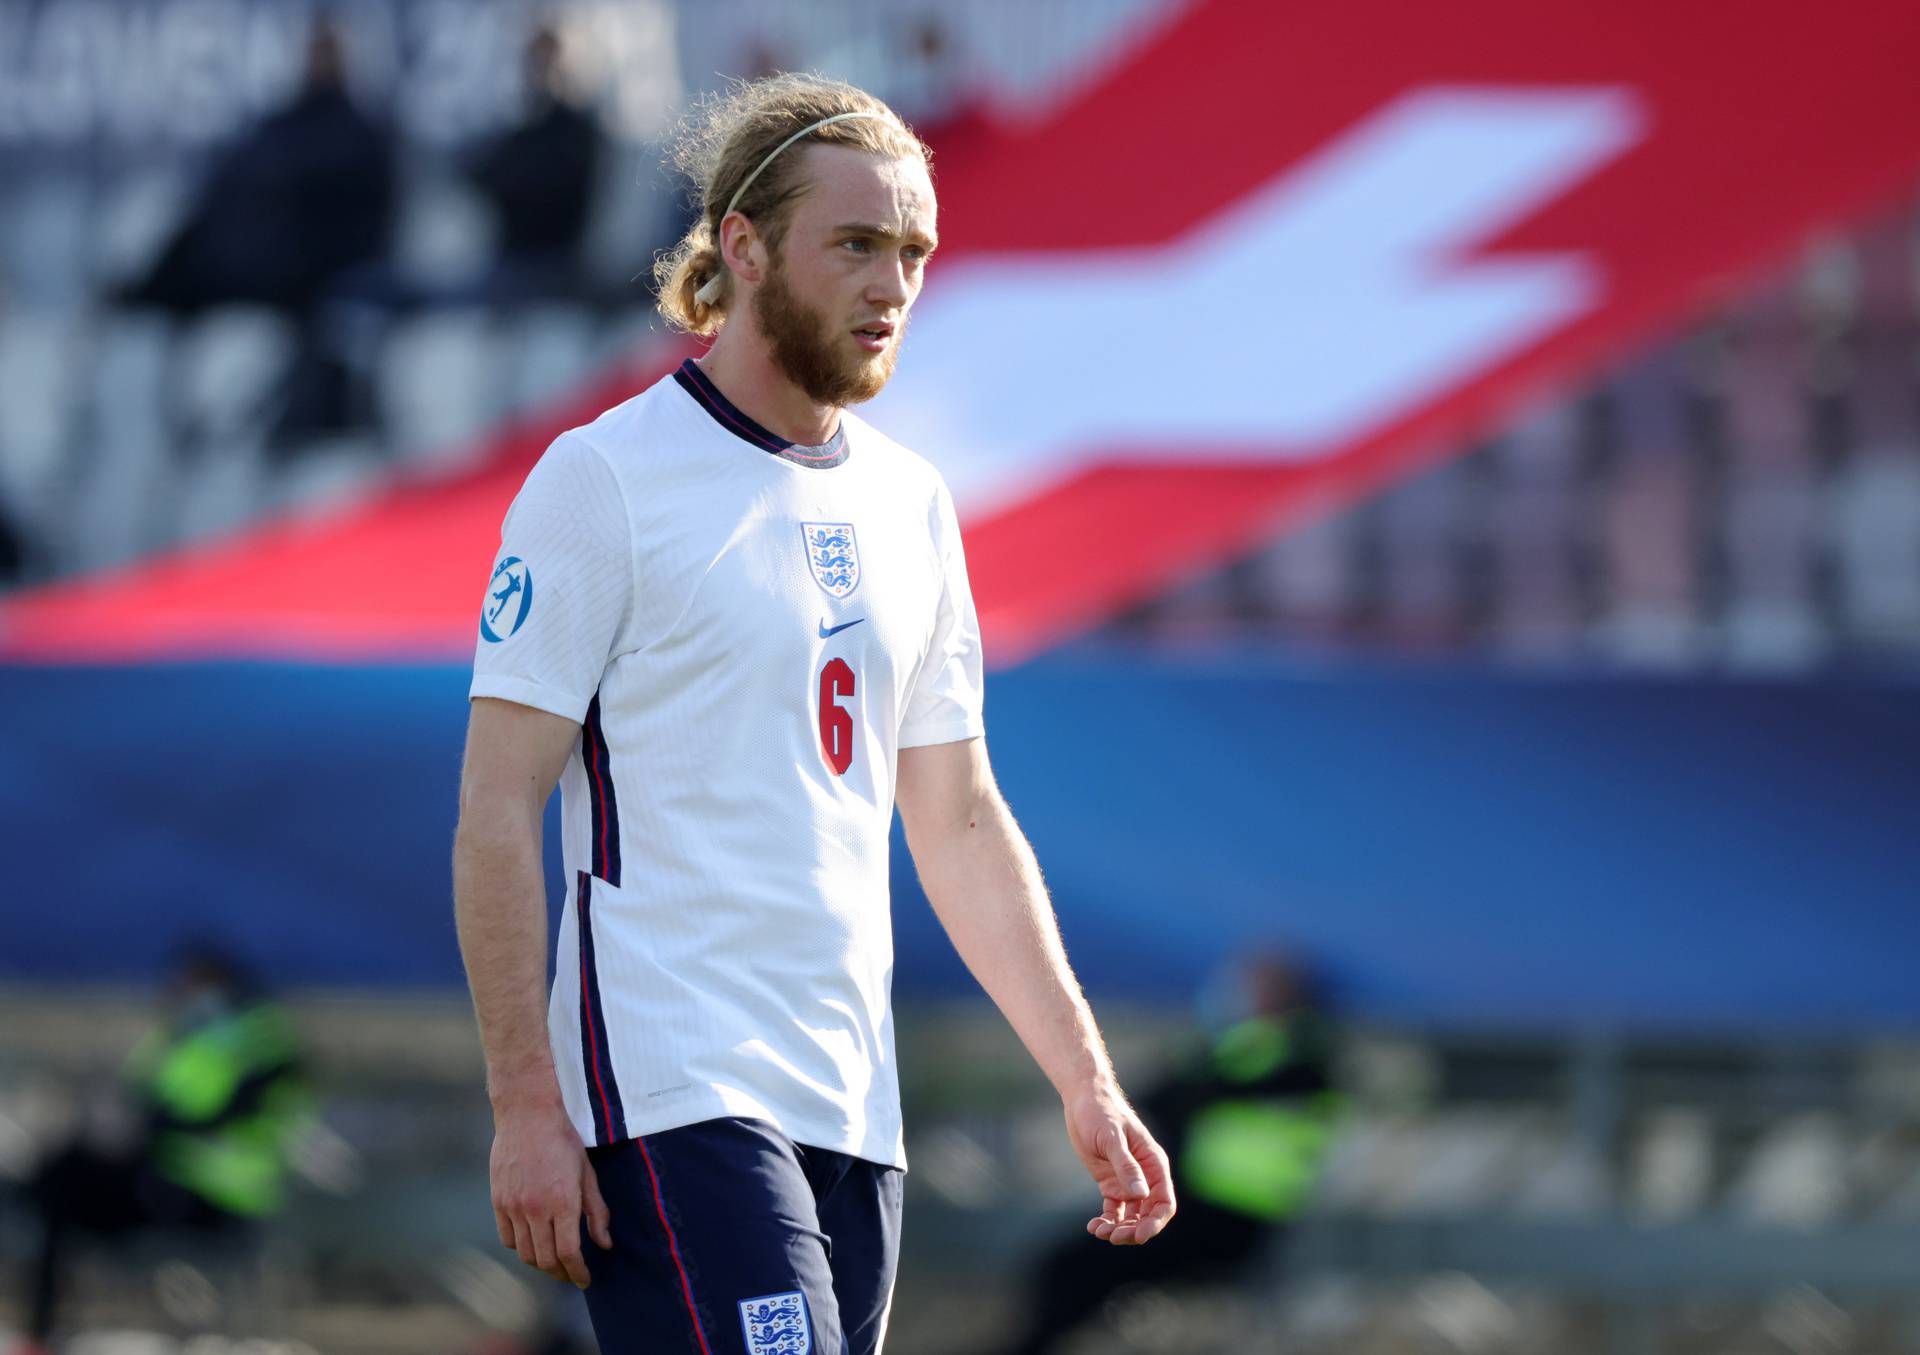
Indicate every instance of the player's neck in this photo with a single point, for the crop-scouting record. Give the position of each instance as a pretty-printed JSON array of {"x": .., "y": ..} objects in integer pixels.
[{"x": 740, "y": 365}]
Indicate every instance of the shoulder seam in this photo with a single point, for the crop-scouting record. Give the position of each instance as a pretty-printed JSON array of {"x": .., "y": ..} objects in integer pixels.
[{"x": 605, "y": 458}]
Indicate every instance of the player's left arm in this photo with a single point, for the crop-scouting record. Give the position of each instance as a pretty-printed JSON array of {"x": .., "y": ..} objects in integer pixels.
[{"x": 983, "y": 881}]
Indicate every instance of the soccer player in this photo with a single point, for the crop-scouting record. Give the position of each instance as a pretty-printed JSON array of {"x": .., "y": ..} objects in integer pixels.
[{"x": 732, "y": 620}]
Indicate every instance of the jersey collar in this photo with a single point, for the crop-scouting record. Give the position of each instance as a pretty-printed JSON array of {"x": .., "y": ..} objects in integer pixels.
[{"x": 725, "y": 413}]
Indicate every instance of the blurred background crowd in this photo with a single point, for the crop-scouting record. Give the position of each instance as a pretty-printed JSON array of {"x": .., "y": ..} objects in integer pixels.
[
  {"x": 1495, "y": 869},
  {"x": 257, "y": 253}
]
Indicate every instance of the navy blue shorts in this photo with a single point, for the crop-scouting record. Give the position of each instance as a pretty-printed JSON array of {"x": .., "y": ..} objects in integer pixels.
[{"x": 729, "y": 1239}]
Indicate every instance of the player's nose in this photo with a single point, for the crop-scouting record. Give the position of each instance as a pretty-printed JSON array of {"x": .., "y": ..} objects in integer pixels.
[{"x": 890, "y": 286}]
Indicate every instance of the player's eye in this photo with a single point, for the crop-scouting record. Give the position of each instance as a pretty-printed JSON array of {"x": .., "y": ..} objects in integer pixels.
[
  {"x": 915, "y": 254},
  {"x": 858, "y": 245}
]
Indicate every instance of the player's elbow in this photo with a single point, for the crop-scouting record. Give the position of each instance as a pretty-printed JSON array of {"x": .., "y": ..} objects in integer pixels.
[
  {"x": 946, "y": 793},
  {"x": 492, "y": 824},
  {"x": 948, "y": 835}
]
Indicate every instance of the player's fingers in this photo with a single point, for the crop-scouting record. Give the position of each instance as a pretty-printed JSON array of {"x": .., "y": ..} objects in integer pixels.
[
  {"x": 566, "y": 1250},
  {"x": 1150, "y": 1218},
  {"x": 544, "y": 1256},
  {"x": 599, "y": 1217},
  {"x": 1129, "y": 1179},
  {"x": 505, "y": 1225},
  {"x": 1112, "y": 1215},
  {"x": 1152, "y": 1214},
  {"x": 1143, "y": 1227},
  {"x": 523, "y": 1240},
  {"x": 1153, "y": 1220}
]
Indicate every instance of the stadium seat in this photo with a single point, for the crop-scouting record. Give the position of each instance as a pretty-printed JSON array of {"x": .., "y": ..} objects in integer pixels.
[
  {"x": 40, "y": 368},
  {"x": 1307, "y": 575},
  {"x": 1542, "y": 442},
  {"x": 230, "y": 364},
  {"x": 1534, "y": 529},
  {"x": 636, "y": 209},
  {"x": 137, "y": 214},
  {"x": 1764, "y": 397},
  {"x": 439, "y": 382},
  {"x": 1426, "y": 532},
  {"x": 1769, "y": 527},
  {"x": 1888, "y": 264},
  {"x": 1670, "y": 1173},
  {"x": 1460, "y": 1163},
  {"x": 46, "y": 241},
  {"x": 548, "y": 351},
  {"x": 1646, "y": 542},
  {"x": 122, "y": 503},
  {"x": 1649, "y": 404},
  {"x": 1794, "y": 1175},
  {"x": 1884, "y": 414},
  {"x": 1875, "y": 520},
  {"x": 442, "y": 233}
]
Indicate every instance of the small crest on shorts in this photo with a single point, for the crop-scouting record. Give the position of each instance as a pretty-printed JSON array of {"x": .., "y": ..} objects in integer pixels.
[
  {"x": 776, "y": 1324},
  {"x": 833, "y": 556}
]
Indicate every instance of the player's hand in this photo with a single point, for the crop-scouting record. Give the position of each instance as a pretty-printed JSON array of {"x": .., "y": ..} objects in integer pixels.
[
  {"x": 1136, "y": 1184},
  {"x": 542, "y": 1183}
]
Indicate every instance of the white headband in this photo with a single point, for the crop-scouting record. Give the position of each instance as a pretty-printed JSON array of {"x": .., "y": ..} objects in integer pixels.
[{"x": 710, "y": 290}]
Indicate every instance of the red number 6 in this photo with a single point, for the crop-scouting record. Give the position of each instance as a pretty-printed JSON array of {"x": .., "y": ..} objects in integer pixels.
[{"x": 836, "y": 725}]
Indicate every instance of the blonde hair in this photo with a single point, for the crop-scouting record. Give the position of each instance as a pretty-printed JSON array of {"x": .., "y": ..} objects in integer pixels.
[{"x": 724, "y": 140}]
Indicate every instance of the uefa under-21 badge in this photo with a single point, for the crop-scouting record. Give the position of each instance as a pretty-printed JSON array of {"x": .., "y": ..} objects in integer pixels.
[
  {"x": 777, "y": 1324},
  {"x": 509, "y": 599},
  {"x": 833, "y": 556}
]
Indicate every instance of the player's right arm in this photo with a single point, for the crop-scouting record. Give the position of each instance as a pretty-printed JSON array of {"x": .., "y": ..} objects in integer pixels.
[
  {"x": 552, "y": 616},
  {"x": 539, "y": 1172}
]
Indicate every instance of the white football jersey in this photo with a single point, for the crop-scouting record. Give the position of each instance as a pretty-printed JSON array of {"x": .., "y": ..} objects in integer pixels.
[{"x": 748, "y": 632}]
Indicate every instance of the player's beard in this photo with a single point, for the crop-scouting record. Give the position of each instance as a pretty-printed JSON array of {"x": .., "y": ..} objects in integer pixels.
[{"x": 803, "y": 347}]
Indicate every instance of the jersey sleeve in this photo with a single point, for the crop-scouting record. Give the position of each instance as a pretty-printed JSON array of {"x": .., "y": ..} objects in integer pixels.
[
  {"x": 561, "y": 591},
  {"x": 945, "y": 705}
]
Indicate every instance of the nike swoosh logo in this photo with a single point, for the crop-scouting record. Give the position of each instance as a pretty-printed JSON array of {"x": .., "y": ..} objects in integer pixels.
[{"x": 824, "y": 632}]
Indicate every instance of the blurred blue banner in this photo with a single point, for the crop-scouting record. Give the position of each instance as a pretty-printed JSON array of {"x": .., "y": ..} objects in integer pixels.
[{"x": 1452, "y": 848}]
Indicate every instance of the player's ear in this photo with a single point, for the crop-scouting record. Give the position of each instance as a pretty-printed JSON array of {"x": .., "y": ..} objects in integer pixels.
[{"x": 741, "y": 247}]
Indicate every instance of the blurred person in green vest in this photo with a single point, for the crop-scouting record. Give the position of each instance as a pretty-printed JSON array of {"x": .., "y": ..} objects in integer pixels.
[
  {"x": 219, "y": 1092},
  {"x": 1246, "y": 1120}
]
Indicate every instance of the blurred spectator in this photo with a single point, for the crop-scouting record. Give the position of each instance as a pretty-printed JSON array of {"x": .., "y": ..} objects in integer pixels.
[
  {"x": 927, "y": 83},
  {"x": 1245, "y": 1123},
  {"x": 13, "y": 549},
  {"x": 539, "y": 178},
  {"x": 220, "y": 1094},
  {"x": 305, "y": 195},
  {"x": 296, "y": 204},
  {"x": 930, "y": 84}
]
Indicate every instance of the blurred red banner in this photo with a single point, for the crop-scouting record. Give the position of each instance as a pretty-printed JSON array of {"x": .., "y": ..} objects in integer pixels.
[{"x": 1276, "y": 257}]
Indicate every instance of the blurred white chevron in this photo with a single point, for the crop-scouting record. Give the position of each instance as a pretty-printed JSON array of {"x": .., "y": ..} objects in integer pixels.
[{"x": 1329, "y": 301}]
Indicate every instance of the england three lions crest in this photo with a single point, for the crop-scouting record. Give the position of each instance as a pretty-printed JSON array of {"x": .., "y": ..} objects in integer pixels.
[
  {"x": 777, "y": 1324},
  {"x": 833, "y": 555}
]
